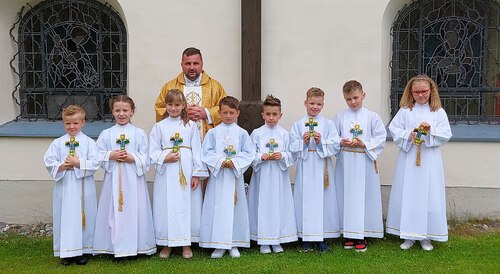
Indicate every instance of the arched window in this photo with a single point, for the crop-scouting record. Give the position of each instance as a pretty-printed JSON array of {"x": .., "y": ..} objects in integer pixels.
[
  {"x": 70, "y": 52},
  {"x": 456, "y": 43}
]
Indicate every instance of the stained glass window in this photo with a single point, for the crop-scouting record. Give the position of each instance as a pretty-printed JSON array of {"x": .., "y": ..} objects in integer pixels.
[
  {"x": 69, "y": 52},
  {"x": 456, "y": 43}
]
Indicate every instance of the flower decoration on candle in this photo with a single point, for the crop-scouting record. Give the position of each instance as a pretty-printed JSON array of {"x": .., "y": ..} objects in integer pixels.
[
  {"x": 272, "y": 144},
  {"x": 356, "y": 130},
  {"x": 421, "y": 131},
  {"x": 72, "y": 144},
  {"x": 176, "y": 138},
  {"x": 122, "y": 141},
  {"x": 311, "y": 124}
]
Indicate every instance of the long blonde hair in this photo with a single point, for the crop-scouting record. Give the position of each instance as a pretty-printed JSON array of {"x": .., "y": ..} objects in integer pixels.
[
  {"x": 407, "y": 101},
  {"x": 176, "y": 96}
]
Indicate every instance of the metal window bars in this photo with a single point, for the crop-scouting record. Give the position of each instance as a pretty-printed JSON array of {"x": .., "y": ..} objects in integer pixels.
[
  {"x": 456, "y": 43},
  {"x": 69, "y": 52}
]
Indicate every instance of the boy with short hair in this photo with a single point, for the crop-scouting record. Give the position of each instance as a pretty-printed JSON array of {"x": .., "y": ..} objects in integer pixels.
[
  {"x": 72, "y": 161},
  {"x": 314, "y": 140},
  {"x": 270, "y": 200},
  {"x": 362, "y": 139},
  {"x": 227, "y": 152}
]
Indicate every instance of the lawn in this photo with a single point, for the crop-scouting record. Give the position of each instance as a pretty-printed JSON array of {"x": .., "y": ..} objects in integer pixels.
[{"x": 463, "y": 253}]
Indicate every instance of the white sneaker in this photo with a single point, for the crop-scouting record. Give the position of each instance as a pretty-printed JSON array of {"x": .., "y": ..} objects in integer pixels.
[
  {"x": 407, "y": 244},
  {"x": 426, "y": 245},
  {"x": 234, "y": 252},
  {"x": 265, "y": 249},
  {"x": 277, "y": 249},
  {"x": 218, "y": 253}
]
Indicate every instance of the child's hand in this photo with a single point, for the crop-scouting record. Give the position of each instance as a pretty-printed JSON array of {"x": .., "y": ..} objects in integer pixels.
[
  {"x": 117, "y": 155},
  {"x": 228, "y": 164},
  {"x": 64, "y": 166},
  {"x": 345, "y": 142},
  {"x": 128, "y": 158},
  {"x": 265, "y": 157},
  {"x": 358, "y": 143},
  {"x": 414, "y": 137},
  {"x": 306, "y": 137},
  {"x": 425, "y": 126},
  {"x": 317, "y": 137},
  {"x": 172, "y": 157},
  {"x": 195, "y": 181},
  {"x": 73, "y": 161},
  {"x": 277, "y": 156}
]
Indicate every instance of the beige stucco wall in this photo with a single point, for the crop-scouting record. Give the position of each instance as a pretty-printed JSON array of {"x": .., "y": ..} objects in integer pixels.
[{"x": 304, "y": 43}]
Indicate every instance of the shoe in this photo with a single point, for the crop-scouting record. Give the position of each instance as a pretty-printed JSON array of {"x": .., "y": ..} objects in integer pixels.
[
  {"x": 407, "y": 244},
  {"x": 265, "y": 249},
  {"x": 361, "y": 246},
  {"x": 234, "y": 252},
  {"x": 165, "y": 252},
  {"x": 348, "y": 244},
  {"x": 218, "y": 253},
  {"x": 67, "y": 261},
  {"x": 81, "y": 260},
  {"x": 426, "y": 245},
  {"x": 187, "y": 252},
  {"x": 323, "y": 247},
  {"x": 277, "y": 248},
  {"x": 307, "y": 247}
]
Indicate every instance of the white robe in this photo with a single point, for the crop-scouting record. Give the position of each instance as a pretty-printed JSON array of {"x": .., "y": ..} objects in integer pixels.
[
  {"x": 128, "y": 232},
  {"x": 356, "y": 175},
  {"x": 417, "y": 204},
  {"x": 70, "y": 238},
  {"x": 270, "y": 200},
  {"x": 176, "y": 210},
  {"x": 223, "y": 224},
  {"x": 315, "y": 206}
]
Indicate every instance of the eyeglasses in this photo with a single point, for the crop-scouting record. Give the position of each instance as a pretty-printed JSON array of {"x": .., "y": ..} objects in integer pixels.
[{"x": 420, "y": 92}]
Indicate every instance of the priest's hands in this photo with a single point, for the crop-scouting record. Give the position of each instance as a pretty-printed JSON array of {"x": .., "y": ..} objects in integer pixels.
[
  {"x": 172, "y": 157},
  {"x": 195, "y": 181},
  {"x": 196, "y": 113}
]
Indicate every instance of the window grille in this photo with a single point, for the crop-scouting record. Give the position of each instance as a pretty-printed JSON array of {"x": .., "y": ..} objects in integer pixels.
[
  {"x": 69, "y": 52},
  {"x": 456, "y": 43}
]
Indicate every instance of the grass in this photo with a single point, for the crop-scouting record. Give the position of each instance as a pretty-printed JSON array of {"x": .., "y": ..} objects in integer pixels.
[{"x": 463, "y": 253}]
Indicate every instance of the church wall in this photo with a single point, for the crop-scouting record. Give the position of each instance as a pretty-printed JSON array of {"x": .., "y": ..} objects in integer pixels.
[{"x": 305, "y": 43}]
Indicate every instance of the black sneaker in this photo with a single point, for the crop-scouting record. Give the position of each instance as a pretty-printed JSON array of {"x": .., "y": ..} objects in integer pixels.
[
  {"x": 67, "y": 261},
  {"x": 307, "y": 247},
  {"x": 323, "y": 247},
  {"x": 81, "y": 260}
]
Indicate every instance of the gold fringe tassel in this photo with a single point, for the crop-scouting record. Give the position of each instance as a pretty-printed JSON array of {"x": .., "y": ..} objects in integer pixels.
[
  {"x": 376, "y": 168},
  {"x": 120, "y": 189},
  {"x": 326, "y": 180},
  {"x": 84, "y": 220},
  {"x": 182, "y": 178},
  {"x": 235, "y": 193},
  {"x": 417, "y": 162}
]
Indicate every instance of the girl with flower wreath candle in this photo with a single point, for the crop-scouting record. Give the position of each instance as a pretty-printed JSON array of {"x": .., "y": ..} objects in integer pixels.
[
  {"x": 417, "y": 204},
  {"x": 175, "y": 150},
  {"x": 124, "y": 225}
]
